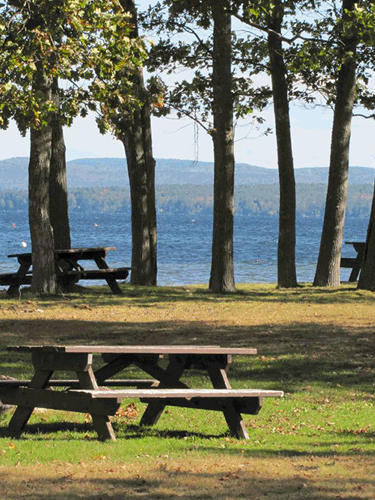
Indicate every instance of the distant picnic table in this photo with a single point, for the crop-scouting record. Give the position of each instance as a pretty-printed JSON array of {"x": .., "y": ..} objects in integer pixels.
[
  {"x": 354, "y": 263},
  {"x": 86, "y": 393},
  {"x": 68, "y": 269}
]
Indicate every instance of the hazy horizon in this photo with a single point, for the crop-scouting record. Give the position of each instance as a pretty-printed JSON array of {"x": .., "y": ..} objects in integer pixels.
[{"x": 91, "y": 157}]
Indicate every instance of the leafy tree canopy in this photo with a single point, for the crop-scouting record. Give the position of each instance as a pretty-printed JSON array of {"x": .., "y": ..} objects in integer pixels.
[
  {"x": 183, "y": 30},
  {"x": 84, "y": 43}
]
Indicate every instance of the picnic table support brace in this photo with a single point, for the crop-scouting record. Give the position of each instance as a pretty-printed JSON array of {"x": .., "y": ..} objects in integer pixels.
[
  {"x": 113, "y": 367},
  {"x": 111, "y": 280},
  {"x": 23, "y": 413},
  {"x": 101, "y": 423},
  {"x": 172, "y": 375},
  {"x": 233, "y": 417}
]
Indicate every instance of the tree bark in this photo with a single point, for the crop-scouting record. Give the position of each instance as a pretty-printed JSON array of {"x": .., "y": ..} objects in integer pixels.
[
  {"x": 151, "y": 198},
  {"x": 328, "y": 266},
  {"x": 367, "y": 277},
  {"x": 222, "y": 268},
  {"x": 137, "y": 140},
  {"x": 42, "y": 240},
  {"x": 286, "y": 268},
  {"x": 135, "y": 156},
  {"x": 59, "y": 212}
]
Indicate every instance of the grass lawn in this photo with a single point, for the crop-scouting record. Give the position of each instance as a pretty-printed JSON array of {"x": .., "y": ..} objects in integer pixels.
[{"x": 318, "y": 345}]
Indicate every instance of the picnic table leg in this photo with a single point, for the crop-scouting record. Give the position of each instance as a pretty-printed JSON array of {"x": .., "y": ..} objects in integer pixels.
[
  {"x": 358, "y": 263},
  {"x": 355, "y": 272},
  {"x": 234, "y": 419},
  {"x": 111, "y": 280},
  {"x": 101, "y": 423},
  {"x": 22, "y": 271},
  {"x": 173, "y": 374},
  {"x": 23, "y": 413},
  {"x": 357, "y": 267}
]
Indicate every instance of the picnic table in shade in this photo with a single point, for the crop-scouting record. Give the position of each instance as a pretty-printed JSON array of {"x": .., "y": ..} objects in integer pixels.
[
  {"x": 86, "y": 393},
  {"x": 354, "y": 263},
  {"x": 68, "y": 269}
]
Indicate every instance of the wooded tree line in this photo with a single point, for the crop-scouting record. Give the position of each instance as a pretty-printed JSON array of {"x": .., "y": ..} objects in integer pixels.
[
  {"x": 61, "y": 59},
  {"x": 262, "y": 200}
]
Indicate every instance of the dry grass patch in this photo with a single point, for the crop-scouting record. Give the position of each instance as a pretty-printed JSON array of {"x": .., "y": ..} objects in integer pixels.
[{"x": 194, "y": 478}]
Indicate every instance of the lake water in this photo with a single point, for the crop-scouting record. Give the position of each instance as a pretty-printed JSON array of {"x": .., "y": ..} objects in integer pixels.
[{"x": 184, "y": 246}]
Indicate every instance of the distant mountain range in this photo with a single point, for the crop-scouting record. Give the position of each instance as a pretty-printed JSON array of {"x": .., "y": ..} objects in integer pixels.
[{"x": 111, "y": 172}]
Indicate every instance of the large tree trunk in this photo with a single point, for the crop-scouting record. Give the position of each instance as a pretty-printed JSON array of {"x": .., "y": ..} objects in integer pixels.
[
  {"x": 328, "y": 267},
  {"x": 135, "y": 156},
  {"x": 59, "y": 213},
  {"x": 367, "y": 277},
  {"x": 44, "y": 275},
  {"x": 222, "y": 268},
  {"x": 286, "y": 261},
  {"x": 137, "y": 139}
]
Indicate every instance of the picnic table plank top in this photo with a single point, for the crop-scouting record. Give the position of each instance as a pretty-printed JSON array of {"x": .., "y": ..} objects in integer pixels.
[
  {"x": 69, "y": 251},
  {"x": 181, "y": 393},
  {"x": 136, "y": 349}
]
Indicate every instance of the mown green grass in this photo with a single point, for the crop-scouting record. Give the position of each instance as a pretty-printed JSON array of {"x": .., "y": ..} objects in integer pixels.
[
  {"x": 319, "y": 425},
  {"x": 316, "y": 345}
]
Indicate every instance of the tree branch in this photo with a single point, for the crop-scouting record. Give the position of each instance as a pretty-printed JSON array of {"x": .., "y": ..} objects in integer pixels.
[
  {"x": 188, "y": 115},
  {"x": 290, "y": 41},
  {"x": 360, "y": 115}
]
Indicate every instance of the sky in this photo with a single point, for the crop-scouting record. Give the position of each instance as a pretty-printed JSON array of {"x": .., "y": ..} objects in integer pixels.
[{"x": 173, "y": 138}]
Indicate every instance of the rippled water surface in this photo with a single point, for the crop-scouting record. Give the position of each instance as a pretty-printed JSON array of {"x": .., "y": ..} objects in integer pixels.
[{"x": 184, "y": 250}]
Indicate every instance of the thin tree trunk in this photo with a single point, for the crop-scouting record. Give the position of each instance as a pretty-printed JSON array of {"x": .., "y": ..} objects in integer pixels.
[
  {"x": 42, "y": 240},
  {"x": 137, "y": 140},
  {"x": 151, "y": 199},
  {"x": 367, "y": 277},
  {"x": 328, "y": 267},
  {"x": 222, "y": 268},
  {"x": 286, "y": 268},
  {"x": 59, "y": 213}
]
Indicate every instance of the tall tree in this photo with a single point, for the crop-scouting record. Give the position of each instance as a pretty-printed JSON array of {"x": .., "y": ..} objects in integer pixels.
[
  {"x": 42, "y": 240},
  {"x": 222, "y": 267},
  {"x": 213, "y": 96},
  {"x": 286, "y": 258},
  {"x": 58, "y": 188},
  {"x": 136, "y": 135},
  {"x": 328, "y": 266},
  {"x": 41, "y": 41},
  {"x": 268, "y": 16},
  {"x": 124, "y": 105}
]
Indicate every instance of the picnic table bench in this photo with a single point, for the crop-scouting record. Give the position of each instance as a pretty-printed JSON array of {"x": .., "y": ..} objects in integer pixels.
[
  {"x": 354, "y": 263},
  {"x": 68, "y": 269},
  {"x": 87, "y": 395}
]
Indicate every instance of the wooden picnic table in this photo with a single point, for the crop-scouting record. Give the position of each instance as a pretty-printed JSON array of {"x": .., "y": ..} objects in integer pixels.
[
  {"x": 165, "y": 387},
  {"x": 354, "y": 263},
  {"x": 68, "y": 269}
]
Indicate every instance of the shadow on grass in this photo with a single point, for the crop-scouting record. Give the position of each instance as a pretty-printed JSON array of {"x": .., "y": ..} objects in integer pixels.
[
  {"x": 289, "y": 355},
  {"x": 151, "y": 296},
  {"x": 171, "y": 482},
  {"x": 303, "y": 450},
  {"x": 269, "y": 294},
  {"x": 122, "y": 431},
  {"x": 46, "y": 428}
]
